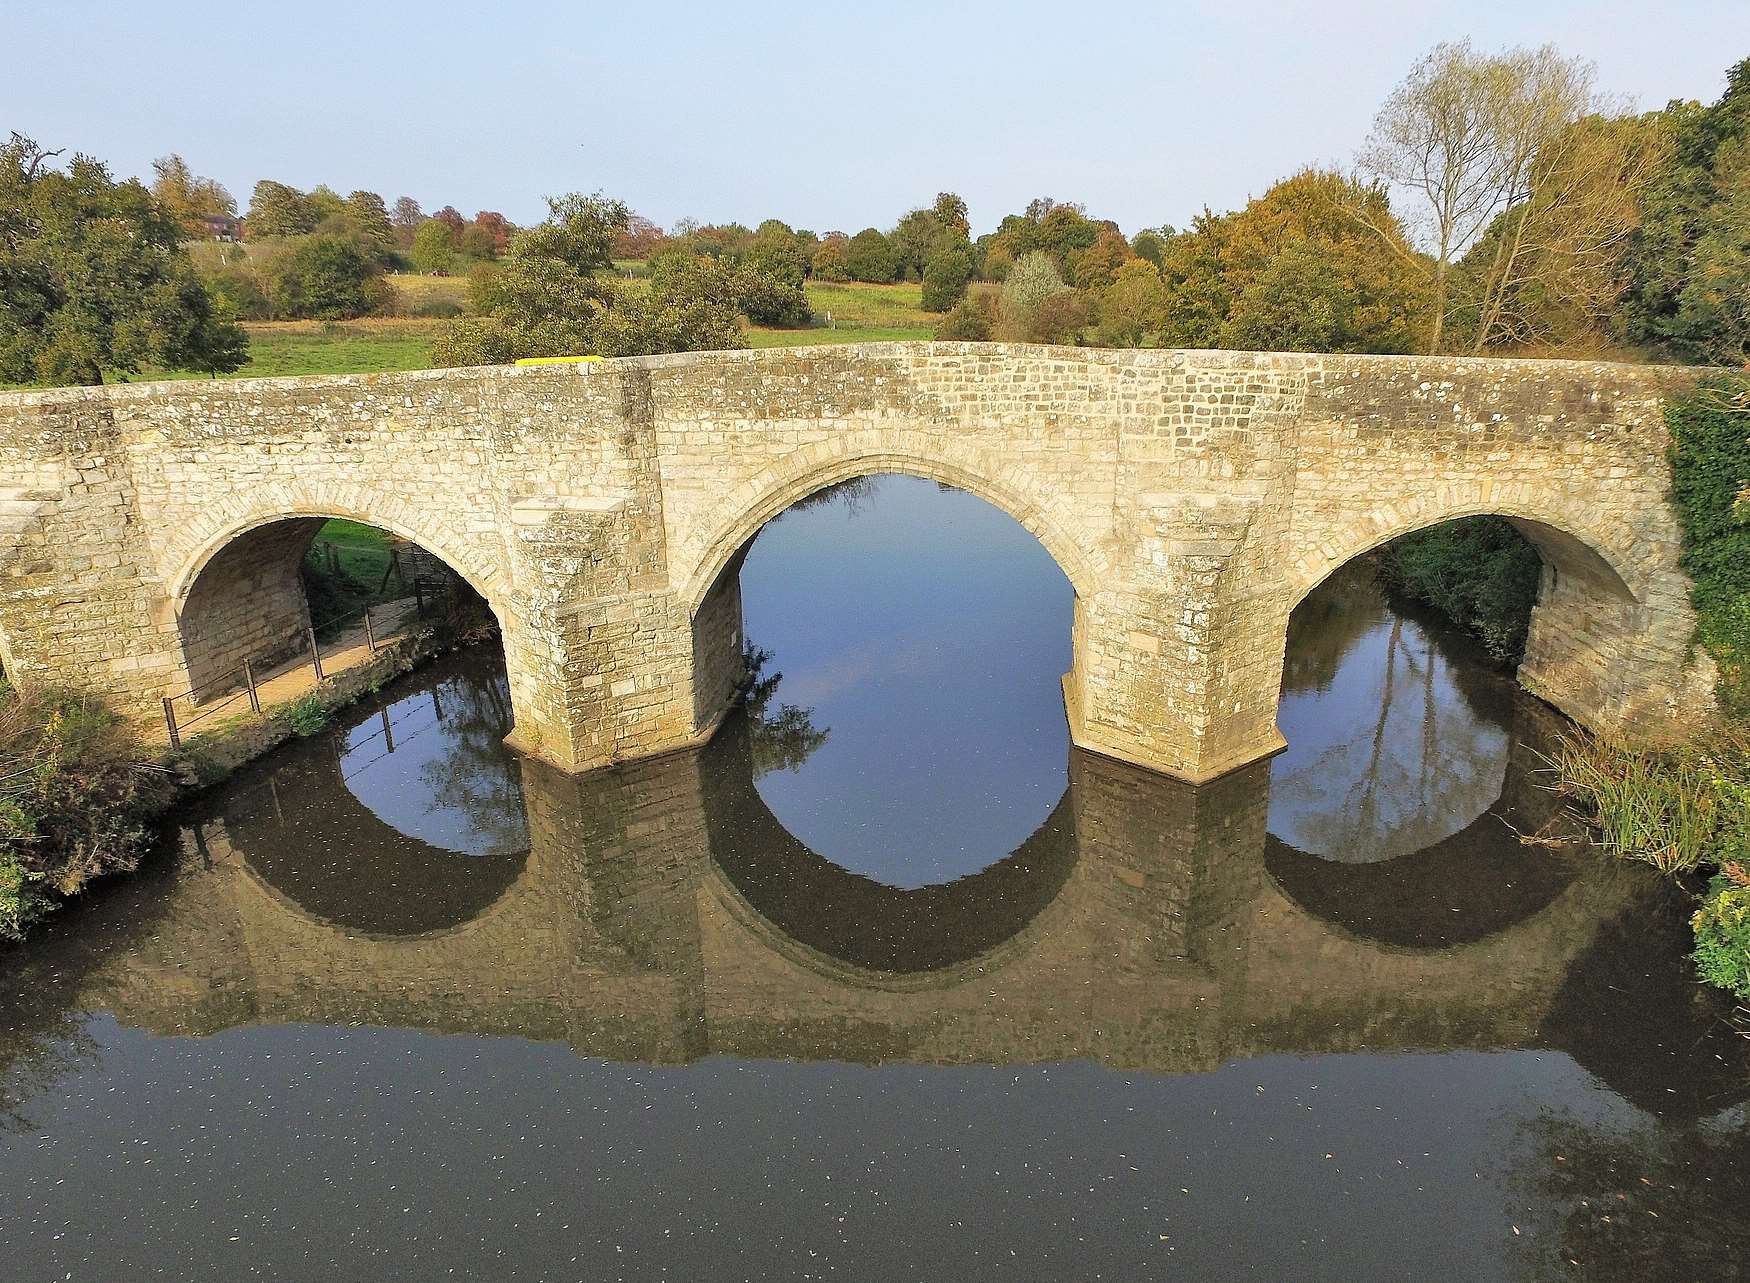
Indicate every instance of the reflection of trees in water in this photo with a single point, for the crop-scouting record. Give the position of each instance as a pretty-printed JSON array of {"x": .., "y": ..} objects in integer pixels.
[
  {"x": 476, "y": 777},
  {"x": 780, "y": 740},
  {"x": 1326, "y": 626},
  {"x": 852, "y": 495},
  {"x": 1637, "y": 1203},
  {"x": 1431, "y": 759}
]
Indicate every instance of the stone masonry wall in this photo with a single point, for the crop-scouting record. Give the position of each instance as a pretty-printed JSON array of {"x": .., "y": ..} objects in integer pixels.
[{"x": 1190, "y": 497}]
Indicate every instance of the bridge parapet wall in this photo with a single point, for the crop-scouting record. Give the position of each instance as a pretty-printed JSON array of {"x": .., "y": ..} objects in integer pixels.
[{"x": 1191, "y": 498}]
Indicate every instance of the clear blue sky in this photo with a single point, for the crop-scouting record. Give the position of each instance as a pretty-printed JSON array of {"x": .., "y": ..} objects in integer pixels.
[{"x": 828, "y": 116}]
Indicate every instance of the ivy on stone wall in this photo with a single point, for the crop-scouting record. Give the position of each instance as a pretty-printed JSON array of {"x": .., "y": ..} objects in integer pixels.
[{"x": 1710, "y": 486}]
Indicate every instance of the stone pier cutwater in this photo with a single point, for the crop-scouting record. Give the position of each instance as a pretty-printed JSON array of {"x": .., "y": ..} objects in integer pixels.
[{"x": 150, "y": 533}]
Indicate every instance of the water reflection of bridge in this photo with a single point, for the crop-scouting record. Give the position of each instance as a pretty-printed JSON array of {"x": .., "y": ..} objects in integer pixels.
[{"x": 1148, "y": 925}]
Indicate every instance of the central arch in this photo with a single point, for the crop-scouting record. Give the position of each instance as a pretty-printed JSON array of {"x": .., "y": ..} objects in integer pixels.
[{"x": 714, "y": 541}]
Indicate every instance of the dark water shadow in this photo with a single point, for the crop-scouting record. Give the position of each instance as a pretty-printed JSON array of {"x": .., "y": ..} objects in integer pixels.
[{"x": 854, "y": 918}]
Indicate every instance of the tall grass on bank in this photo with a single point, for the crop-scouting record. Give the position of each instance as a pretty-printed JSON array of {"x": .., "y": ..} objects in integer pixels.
[
  {"x": 1677, "y": 809},
  {"x": 75, "y": 792}
]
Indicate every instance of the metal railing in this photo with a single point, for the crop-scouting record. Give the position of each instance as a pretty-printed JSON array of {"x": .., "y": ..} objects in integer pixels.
[{"x": 303, "y": 646}]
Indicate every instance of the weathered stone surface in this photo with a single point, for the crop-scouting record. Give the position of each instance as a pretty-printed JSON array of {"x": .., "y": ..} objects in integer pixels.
[{"x": 148, "y": 533}]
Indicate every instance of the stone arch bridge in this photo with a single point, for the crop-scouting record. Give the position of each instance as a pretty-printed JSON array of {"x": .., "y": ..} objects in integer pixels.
[{"x": 150, "y": 534}]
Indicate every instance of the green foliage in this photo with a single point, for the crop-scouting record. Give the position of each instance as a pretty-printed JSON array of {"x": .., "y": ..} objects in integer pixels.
[
  {"x": 947, "y": 276},
  {"x": 1301, "y": 268},
  {"x": 1722, "y": 933},
  {"x": 973, "y": 318},
  {"x": 1133, "y": 307},
  {"x": 278, "y": 210},
  {"x": 307, "y": 715},
  {"x": 549, "y": 298},
  {"x": 831, "y": 260},
  {"x": 323, "y": 277},
  {"x": 869, "y": 257},
  {"x": 1037, "y": 307},
  {"x": 74, "y": 792},
  {"x": 1479, "y": 572},
  {"x": 1676, "y": 809},
  {"x": 1688, "y": 271},
  {"x": 1710, "y": 485},
  {"x": 432, "y": 250},
  {"x": 187, "y": 197},
  {"x": 93, "y": 278}
]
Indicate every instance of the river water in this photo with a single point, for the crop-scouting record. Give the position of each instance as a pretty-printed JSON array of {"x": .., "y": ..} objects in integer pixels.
[{"x": 889, "y": 982}]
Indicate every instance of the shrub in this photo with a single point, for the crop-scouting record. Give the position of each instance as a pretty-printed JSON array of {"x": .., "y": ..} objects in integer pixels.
[
  {"x": 1722, "y": 932},
  {"x": 1479, "y": 572},
  {"x": 472, "y": 340},
  {"x": 323, "y": 278},
  {"x": 433, "y": 247},
  {"x": 307, "y": 714},
  {"x": 75, "y": 789},
  {"x": 1710, "y": 485},
  {"x": 1061, "y": 318},
  {"x": 967, "y": 322},
  {"x": 946, "y": 277}
]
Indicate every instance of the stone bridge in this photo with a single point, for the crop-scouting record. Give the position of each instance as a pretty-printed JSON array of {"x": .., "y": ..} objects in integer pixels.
[{"x": 150, "y": 534}]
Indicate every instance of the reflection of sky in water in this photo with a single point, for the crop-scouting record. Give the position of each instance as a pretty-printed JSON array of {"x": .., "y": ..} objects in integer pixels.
[
  {"x": 929, "y": 632},
  {"x": 438, "y": 771},
  {"x": 1386, "y": 754}
]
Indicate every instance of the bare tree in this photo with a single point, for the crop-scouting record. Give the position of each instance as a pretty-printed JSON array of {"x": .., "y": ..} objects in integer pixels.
[{"x": 1463, "y": 135}]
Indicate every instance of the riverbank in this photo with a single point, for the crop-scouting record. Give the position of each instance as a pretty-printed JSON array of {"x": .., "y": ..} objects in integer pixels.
[{"x": 80, "y": 787}]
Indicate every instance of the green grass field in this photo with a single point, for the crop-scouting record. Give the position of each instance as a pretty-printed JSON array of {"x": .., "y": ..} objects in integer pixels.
[{"x": 859, "y": 314}]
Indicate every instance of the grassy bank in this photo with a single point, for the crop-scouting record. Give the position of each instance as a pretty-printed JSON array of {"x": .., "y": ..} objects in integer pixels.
[{"x": 77, "y": 789}]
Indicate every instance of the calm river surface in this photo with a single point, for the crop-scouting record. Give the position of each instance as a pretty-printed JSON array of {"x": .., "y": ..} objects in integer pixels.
[{"x": 889, "y": 982}]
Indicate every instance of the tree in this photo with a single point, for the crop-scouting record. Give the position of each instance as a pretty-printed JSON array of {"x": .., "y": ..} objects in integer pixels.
[
  {"x": 1033, "y": 280},
  {"x": 1551, "y": 269},
  {"x": 497, "y": 226},
  {"x": 831, "y": 261},
  {"x": 1683, "y": 278},
  {"x": 641, "y": 239},
  {"x": 1462, "y": 134},
  {"x": 322, "y": 277},
  {"x": 950, "y": 212},
  {"x": 328, "y": 207},
  {"x": 451, "y": 217},
  {"x": 551, "y": 299},
  {"x": 1095, "y": 267},
  {"x": 918, "y": 238},
  {"x": 190, "y": 199},
  {"x": 405, "y": 218},
  {"x": 278, "y": 210},
  {"x": 1318, "y": 263},
  {"x": 1150, "y": 243},
  {"x": 869, "y": 257},
  {"x": 478, "y": 243},
  {"x": 368, "y": 218},
  {"x": 432, "y": 247},
  {"x": 947, "y": 276},
  {"x": 1133, "y": 307},
  {"x": 93, "y": 278}
]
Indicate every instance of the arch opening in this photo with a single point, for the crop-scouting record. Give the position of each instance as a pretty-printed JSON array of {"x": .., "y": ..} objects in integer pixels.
[
  {"x": 1411, "y": 764},
  {"x": 925, "y": 633},
  {"x": 280, "y": 593}
]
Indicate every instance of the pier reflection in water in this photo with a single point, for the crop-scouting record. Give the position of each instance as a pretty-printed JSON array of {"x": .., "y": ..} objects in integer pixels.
[{"x": 1153, "y": 1034}]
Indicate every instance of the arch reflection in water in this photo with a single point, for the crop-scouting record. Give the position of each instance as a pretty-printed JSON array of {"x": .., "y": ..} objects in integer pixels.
[
  {"x": 407, "y": 818},
  {"x": 1398, "y": 731},
  {"x": 927, "y": 633}
]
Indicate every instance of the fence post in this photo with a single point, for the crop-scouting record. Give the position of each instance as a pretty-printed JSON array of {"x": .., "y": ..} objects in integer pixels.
[
  {"x": 170, "y": 721},
  {"x": 315, "y": 651},
  {"x": 249, "y": 683},
  {"x": 370, "y": 633}
]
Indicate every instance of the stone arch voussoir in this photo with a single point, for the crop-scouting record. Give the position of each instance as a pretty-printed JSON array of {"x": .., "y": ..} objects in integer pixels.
[
  {"x": 1620, "y": 567},
  {"x": 188, "y": 551},
  {"x": 728, "y": 521}
]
